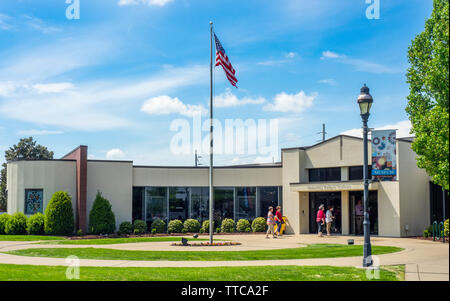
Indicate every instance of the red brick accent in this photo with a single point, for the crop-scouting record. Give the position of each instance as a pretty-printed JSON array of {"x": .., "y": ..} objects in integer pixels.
[{"x": 80, "y": 155}]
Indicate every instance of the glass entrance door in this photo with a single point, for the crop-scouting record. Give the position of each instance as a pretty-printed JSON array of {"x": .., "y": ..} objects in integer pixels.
[
  {"x": 357, "y": 210},
  {"x": 327, "y": 199}
]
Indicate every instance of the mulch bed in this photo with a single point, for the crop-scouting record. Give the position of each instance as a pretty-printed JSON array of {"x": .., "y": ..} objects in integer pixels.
[
  {"x": 429, "y": 238},
  {"x": 92, "y": 236},
  {"x": 207, "y": 244}
]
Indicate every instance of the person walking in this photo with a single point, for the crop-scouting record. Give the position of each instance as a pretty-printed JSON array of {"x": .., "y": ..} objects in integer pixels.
[
  {"x": 278, "y": 220},
  {"x": 320, "y": 219},
  {"x": 359, "y": 212},
  {"x": 270, "y": 223},
  {"x": 329, "y": 217}
]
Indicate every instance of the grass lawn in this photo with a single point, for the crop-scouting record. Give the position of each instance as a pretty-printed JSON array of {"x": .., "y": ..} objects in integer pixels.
[
  {"x": 257, "y": 273},
  {"x": 311, "y": 251},
  {"x": 122, "y": 240},
  {"x": 29, "y": 237}
]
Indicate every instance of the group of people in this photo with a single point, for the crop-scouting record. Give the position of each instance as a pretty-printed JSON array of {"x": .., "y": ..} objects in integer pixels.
[
  {"x": 272, "y": 220},
  {"x": 325, "y": 219}
]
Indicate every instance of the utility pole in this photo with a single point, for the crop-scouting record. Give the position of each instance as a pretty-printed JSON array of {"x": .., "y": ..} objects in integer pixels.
[{"x": 323, "y": 132}]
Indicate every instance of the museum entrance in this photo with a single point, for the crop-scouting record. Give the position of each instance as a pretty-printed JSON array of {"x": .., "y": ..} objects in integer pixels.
[
  {"x": 356, "y": 213},
  {"x": 327, "y": 199}
]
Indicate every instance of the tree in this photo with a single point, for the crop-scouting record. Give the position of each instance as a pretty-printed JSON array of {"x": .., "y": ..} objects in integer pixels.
[
  {"x": 101, "y": 217},
  {"x": 428, "y": 100},
  {"x": 59, "y": 217},
  {"x": 26, "y": 149}
]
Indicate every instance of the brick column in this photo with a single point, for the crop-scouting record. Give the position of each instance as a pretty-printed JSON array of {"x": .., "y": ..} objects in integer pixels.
[{"x": 80, "y": 155}]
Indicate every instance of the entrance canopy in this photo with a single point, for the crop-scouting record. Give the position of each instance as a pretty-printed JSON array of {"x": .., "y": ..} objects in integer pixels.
[{"x": 330, "y": 186}]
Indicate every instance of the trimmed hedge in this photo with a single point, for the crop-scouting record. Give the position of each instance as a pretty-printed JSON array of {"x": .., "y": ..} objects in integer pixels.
[
  {"x": 191, "y": 225},
  {"x": 139, "y": 227},
  {"x": 175, "y": 226},
  {"x": 125, "y": 228},
  {"x": 59, "y": 218},
  {"x": 158, "y": 225},
  {"x": 101, "y": 217},
  {"x": 35, "y": 224},
  {"x": 17, "y": 224},
  {"x": 227, "y": 226},
  {"x": 259, "y": 224},
  {"x": 446, "y": 228},
  {"x": 3, "y": 219},
  {"x": 243, "y": 225},
  {"x": 205, "y": 226}
]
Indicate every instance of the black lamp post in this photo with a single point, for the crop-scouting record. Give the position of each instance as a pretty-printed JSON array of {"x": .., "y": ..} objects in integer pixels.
[{"x": 365, "y": 101}]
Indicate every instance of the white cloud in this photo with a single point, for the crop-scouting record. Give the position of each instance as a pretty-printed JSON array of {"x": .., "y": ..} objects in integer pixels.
[
  {"x": 328, "y": 81},
  {"x": 52, "y": 88},
  {"x": 34, "y": 132},
  {"x": 291, "y": 102},
  {"x": 403, "y": 128},
  {"x": 288, "y": 57},
  {"x": 7, "y": 88},
  {"x": 359, "y": 64},
  {"x": 147, "y": 2},
  {"x": 40, "y": 25},
  {"x": 165, "y": 105},
  {"x": 228, "y": 99},
  {"x": 4, "y": 22},
  {"x": 115, "y": 153}
]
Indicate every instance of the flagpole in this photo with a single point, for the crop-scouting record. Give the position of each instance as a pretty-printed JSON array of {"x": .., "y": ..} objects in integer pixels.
[{"x": 211, "y": 190}]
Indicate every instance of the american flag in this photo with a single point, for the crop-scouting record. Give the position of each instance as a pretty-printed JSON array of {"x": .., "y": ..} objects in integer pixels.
[{"x": 222, "y": 59}]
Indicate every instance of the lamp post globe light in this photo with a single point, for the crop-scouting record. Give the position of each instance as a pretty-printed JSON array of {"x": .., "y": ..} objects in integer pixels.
[{"x": 365, "y": 101}]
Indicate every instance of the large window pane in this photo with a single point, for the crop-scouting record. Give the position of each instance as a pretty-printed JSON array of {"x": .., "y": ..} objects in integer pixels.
[
  {"x": 245, "y": 203},
  {"x": 324, "y": 174},
  {"x": 156, "y": 203},
  {"x": 268, "y": 196},
  {"x": 356, "y": 173},
  {"x": 223, "y": 203},
  {"x": 200, "y": 203},
  {"x": 178, "y": 203},
  {"x": 138, "y": 203}
]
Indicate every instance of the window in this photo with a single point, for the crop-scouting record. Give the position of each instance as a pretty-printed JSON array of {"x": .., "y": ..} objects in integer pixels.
[
  {"x": 356, "y": 173},
  {"x": 268, "y": 196},
  {"x": 223, "y": 203},
  {"x": 324, "y": 174},
  {"x": 155, "y": 203},
  {"x": 178, "y": 203},
  {"x": 200, "y": 203},
  {"x": 138, "y": 203},
  {"x": 33, "y": 201},
  {"x": 245, "y": 203}
]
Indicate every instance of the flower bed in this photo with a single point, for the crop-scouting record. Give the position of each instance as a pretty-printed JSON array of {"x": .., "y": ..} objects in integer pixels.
[{"x": 207, "y": 244}]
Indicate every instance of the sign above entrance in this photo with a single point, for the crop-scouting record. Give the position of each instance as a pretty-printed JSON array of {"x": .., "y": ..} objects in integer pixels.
[{"x": 384, "y": 153}]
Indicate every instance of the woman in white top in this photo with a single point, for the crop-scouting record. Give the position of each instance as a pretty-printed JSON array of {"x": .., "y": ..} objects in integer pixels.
[
  {"x": 329, "y": 219},
  {"x": 270, "y": 223}
]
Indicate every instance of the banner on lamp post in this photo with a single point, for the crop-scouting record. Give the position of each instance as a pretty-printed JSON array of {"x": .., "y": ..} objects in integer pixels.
[{"x": 384, "y": 155}]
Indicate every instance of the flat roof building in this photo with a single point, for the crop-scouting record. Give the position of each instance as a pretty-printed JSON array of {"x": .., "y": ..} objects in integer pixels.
[{"x": 328, "y": 173}]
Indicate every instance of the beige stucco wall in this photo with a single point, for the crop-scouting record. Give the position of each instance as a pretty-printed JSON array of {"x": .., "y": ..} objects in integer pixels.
[
  {"x": 345, "y": 210},
  {"x": 51, "y": 176},
  {"x": 115, "y": 181},
  {"x": 388, "y": 209},
  {"x": 414, "y": 192},
  {"x": 291, "y": 200},
  {"x": 270, "y": 176}
]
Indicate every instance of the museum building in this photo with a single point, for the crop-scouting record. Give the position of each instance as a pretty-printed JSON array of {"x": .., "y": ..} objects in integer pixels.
[{"x": 329, "y": 173}]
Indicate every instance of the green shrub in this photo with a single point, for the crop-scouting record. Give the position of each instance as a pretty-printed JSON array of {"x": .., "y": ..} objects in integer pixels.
[
  {"x": 217, "y": 230},
  {"x": 158, "y": 225},
  {"x": 426, "y": 233},
  {"x": 259, "y": 224},
  {"x": 125, "y": 228},
  {"x": 3, "y": 219},
  {"x": 227, "y": 226},
  {"x": 59, "y": 218},
  {"x": 80, "y": 232},
  {"x": 175, "y": 226},
  {"x": 242, "y": 225},
  {"x": 101, "y": 217},
  {"x": 191, "y": 225},
  {"x": 35, "y": 224},
  {"x": 205, "y": 226},
  {"x": 139, "y": 227},
  {"x": 17, "y": 224},
  {"x": 446, "y": 228},
  {"x": 248, "y": 230}
]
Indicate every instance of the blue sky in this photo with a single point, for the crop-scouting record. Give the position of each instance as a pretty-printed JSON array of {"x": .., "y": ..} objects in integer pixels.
[{"x": 117, "y": 78}]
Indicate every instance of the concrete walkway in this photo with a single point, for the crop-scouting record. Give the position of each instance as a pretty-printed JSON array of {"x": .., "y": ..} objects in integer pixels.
[{"x": 424, "y": 260}]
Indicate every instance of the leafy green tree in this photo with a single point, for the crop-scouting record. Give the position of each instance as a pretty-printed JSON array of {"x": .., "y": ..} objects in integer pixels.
[
  {"x": 101, "y": 217},
  {"x": 59, "y": 217},
  {"x": 428, "y": 100},
  {"x": 26, "y": 149}
]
